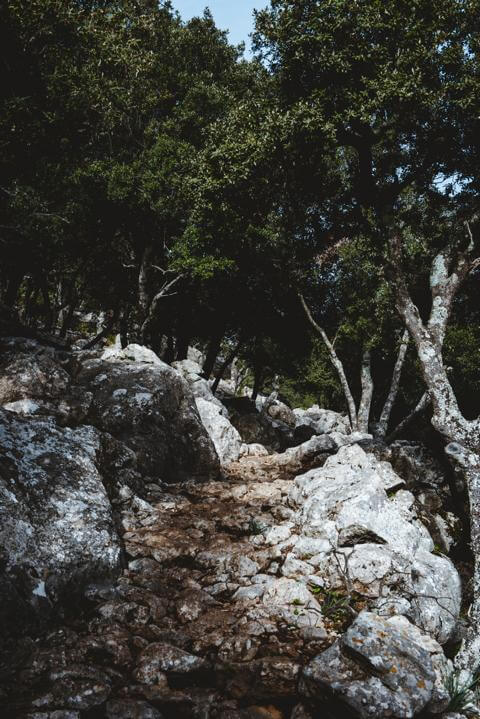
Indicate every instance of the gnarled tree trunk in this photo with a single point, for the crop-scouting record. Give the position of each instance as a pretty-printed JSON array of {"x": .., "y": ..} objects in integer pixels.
[
  {"x": 363, "y": 417},
  {"x": 449, "y": 269}
]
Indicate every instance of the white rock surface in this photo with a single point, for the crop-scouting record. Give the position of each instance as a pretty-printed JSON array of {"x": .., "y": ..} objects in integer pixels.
[
  {"x": 225, "y": 437},
  {"x": 381, "y": 668},
  {"x": 323, "y": 421},
  {"x": 191, "y": 372},
  {"x": 56, "y": 520},
  {"x": 292, "y": 600},
  {"x": 132, "y": 353},
  {"x": 359, "y": 534}
]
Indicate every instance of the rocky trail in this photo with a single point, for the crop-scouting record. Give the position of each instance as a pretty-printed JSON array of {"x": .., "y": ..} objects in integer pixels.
[
  {"x": 213, "y": 616},
  {"x": 184, "y": 633},
  {"x": 293, "y": 585}
]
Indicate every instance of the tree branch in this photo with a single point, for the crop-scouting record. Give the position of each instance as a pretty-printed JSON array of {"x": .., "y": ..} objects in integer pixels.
[
  {"x": 352, "y": 410},
  {"x": 382, "y": 425}
]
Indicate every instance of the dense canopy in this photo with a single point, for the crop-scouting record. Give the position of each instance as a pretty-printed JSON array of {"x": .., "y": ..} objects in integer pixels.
[{"x": 151, "y": 175}]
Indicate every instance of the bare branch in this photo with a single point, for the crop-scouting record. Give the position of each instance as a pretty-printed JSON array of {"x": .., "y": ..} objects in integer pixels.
[
  {"x": 352, "y": 410},
  {"x": 161, "y": 294},
  {"x": 421, "y": 406},
  {"x": 160, "y": 269},
  {"x": 382, "y": 426}
]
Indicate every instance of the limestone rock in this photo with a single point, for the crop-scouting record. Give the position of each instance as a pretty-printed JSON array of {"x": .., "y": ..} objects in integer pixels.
[
  {"x": 131, "y": 709},
  {"x": 145, "y": 404},
  {"x": 293, "y": 602},
  {"x": 377, "y": 539},
  {"x": 225, "y": 437},
  {"x": 56, "y": 525},
  {"x": 160, "y": 658},
  {"x": 378, "y": 668},
  {"x": 278, "y": 410},
  {"x": 322, "y": 421},
  {"x": 191, "y": 372},
  {"x": 33, "y": 383}
]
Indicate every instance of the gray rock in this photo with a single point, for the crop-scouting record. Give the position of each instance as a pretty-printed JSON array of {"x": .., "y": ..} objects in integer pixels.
[
  {"x": 31, "y": 374},
  {"x": 350, "y": 523},
  {"x": 256, "y": 591},
  {"x": 56, "y": 714},
  {"x": 322, "y": 421},
  {"x": 296, "y": 458},
  {"x": 144, "y": 403},
  {"x": 159, "y": 659},
  {"x": 191, "y": 372},
  {"x": 56, "y": 525},
  {"x": 279, "y": 411},
  {"x": 33, "y": 383},
  {"x": 228, "y": 443},
  {"x": 131, "y": 709},
  {"x": 292, "y": 601},
  {"x": 376, "y": 668}
]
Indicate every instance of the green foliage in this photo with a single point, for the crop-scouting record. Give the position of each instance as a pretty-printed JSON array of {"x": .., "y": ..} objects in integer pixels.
[
  {"x": 128, "y": 134},
  {"x": 463, "y": 692},
  {"x": 461, "y": 355},
  {"x": 313, "y": 381}
]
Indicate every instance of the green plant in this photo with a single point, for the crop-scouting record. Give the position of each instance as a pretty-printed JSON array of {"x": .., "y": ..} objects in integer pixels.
[
  {"x": 255, "y": 527},
  {"x": 463, "y": 691},
  {"x": 335, "y": 604}
]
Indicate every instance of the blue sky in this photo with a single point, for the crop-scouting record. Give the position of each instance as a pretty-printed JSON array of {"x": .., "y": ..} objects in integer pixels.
[{"x": 233, "y": 15}]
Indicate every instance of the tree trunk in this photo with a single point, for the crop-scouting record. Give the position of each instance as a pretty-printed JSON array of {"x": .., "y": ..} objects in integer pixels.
[
  {"x": 450, "y": 267},
  {"x": 469, "y": 462},
  {"x": 68, "y": 317},
  {"x": 124, "y": 338},
  {"x": 416, "y": 412},
  {"x": 183, "y": 342},
  {"x": 105, "y": 332},
  {"x": 367, "y": 393},
  {"x": 152, "y": 310},
  {"x": 143, "y": 282},
  {"x": 48, "y": 314},
  {"x": 169, "y": 355},
  {"x": 212, "y": 353},
  {"x": 382, "y": 426},
  {"x": 228, "y": 361},
  {"x": 13, "y": 287},
  {"x": 257, "y": 383},
  {"x": 352, "y": 410},
  {"x": 29, "y": 290}
]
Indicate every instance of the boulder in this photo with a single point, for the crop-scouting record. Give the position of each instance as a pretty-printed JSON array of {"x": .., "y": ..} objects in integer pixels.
[
  {"x": 145, "y": 404},
  {"x": 256, "y": 426},
  {"x": 373, "y": 541},
  {"x": 200, "y": 387},
  {"x": 29, "y": 371},
  {"x": 56, "y": 524},
  {"x": 279, "y": 411},
  {"x": 195, "y": 355},
  {"x": 228, "y": 443},
  {"x": 380, "y": 667},
  {"x": 131, "y": 709},
  {"x": 294, "y": 603},
  {"x": 33, "y": 383},
  {"x": 322, "y": 421}
]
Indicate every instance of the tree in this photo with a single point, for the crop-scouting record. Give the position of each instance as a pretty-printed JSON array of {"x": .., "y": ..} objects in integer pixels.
[
  {"x": 450, "y": 268},
  {"x": 357, "y": 305}
]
